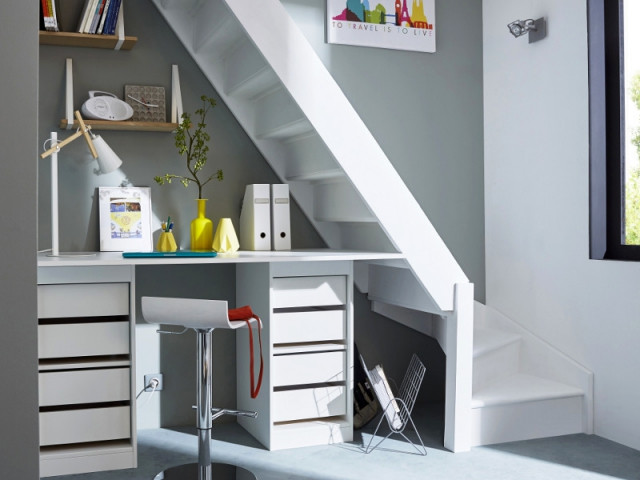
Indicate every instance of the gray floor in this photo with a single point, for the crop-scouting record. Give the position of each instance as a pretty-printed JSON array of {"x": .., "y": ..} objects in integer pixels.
[{"x": 568, "y": 457}]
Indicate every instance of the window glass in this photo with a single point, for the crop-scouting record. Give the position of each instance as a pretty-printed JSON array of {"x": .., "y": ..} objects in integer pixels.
[{"x": 630, "y": 34}]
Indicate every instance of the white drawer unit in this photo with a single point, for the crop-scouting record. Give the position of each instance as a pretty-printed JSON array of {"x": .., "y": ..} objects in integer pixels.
[
  {"x": 85, "y": 338},
  {"x": 293, "y": 292},
  {"x": 84, "y": 386},
  {"x": 307, "y": 311},
  {"x": 309, "y": 403},
  {"x": 83, "y": 300},
  {"x": 308, "y": 368},
  {"x": 316, "y": 326},
  {"x": 84, "y": 425}
]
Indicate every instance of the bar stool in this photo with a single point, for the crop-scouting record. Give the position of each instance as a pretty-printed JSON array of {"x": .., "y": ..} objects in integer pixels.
[{"x": 203, "y": 316}]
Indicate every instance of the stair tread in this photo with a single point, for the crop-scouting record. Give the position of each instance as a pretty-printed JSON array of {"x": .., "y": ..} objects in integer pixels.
[
  {"x": 489, "y": 339},
  {"x": 521, "y": 387}
]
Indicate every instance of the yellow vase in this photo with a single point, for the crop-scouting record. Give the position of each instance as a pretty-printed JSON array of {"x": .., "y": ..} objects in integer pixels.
[
  {"x": 225, "y": 240},
  {"x": 201, "y": 228}
]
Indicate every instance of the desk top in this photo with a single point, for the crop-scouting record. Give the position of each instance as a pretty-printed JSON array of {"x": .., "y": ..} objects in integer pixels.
[{"x": 116, "y": 258}]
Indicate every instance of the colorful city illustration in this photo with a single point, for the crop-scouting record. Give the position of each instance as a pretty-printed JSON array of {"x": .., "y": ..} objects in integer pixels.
[
  {"x": 360, "y": 11},
  {"x": 395, "y": 24}
]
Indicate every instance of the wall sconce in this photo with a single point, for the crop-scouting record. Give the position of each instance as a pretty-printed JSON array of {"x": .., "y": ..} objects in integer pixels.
[
  {"x": 108, "y": 161},
  {"x": 537, "y": 29}
]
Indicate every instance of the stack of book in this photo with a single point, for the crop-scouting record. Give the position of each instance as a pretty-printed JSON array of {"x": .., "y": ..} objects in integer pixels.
[
  {"x": 98, "y": 17},
  {"x": 49, "y": 15}
]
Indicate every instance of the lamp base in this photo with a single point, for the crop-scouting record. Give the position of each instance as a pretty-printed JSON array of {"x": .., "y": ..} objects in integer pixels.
[{"x": 72, "y": 254}]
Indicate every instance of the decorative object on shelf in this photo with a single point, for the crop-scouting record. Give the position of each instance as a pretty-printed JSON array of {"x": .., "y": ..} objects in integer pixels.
[
  {"x": 388, "y": 25},
  {"x": 201, "y": 228},
  {"x": 225, "y": 239},
  {"x": 125, "y": 219},
  {"x": 106, "y": 106},
  {"x": 108, "y": 161},
  {"x": 192, "y": 144},
  {"x": 166, "y": 241},
  {"x": 148, "y": 103}
]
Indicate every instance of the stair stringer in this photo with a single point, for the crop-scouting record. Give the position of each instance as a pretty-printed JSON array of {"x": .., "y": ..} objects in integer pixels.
[{"x": 331, "y": 114}]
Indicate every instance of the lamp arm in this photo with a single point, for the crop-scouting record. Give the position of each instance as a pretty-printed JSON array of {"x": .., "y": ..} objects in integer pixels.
[{"x": 83, "y": 130}]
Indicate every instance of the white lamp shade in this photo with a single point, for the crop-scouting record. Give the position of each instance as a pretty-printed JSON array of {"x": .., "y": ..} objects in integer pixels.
[{"x": 108, "y": 161}]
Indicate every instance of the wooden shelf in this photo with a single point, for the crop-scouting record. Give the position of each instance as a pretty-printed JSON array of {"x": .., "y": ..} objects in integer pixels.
[
  {"x": 72, "y": 39},
  {"x": 124, "y": 126}
]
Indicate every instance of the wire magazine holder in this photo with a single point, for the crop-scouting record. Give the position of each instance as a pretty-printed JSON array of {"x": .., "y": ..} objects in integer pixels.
[{"x": 396, "y": 409}]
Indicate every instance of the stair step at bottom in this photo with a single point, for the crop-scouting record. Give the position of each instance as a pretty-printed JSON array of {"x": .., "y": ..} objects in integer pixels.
[
  {"x": 520, "y": 388},
  {"x": 527, "y": 420}
]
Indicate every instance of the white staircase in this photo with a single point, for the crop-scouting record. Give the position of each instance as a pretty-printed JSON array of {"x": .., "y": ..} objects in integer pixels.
[
  {"x": 272, "y": 80},
  {"x": 523, "y": 388}
]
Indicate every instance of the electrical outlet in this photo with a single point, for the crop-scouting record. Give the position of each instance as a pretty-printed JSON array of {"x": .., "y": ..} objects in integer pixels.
[{"x": 151, "y": 376}]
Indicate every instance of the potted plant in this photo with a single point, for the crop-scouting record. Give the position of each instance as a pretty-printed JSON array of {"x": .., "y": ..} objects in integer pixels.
[{"x": 192, "y": 144}]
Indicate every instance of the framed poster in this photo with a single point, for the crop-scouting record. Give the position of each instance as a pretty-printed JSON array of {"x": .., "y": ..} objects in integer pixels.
[
  {"x": 125, "y": 219},
  {"x": 395, "y": 24}
]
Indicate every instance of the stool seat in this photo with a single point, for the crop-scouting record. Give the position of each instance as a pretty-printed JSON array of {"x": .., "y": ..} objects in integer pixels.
[{"x": 188, "y": 312}]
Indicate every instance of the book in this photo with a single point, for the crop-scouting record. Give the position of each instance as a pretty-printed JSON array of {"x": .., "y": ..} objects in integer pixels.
[
  {"x": 385, "y": 396},
  {"x": 54, "y": 16},
  {"x": 103, "y": 17},
  {"x": 87, "y": 16},
  {"x": 112, "y": 19},
  {"x": 96, "y": 16},
  {"x": 83, "y": 16}
]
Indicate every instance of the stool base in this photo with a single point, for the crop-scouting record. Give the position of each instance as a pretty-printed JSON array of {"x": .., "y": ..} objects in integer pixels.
[{"x": 214, "y": 471}]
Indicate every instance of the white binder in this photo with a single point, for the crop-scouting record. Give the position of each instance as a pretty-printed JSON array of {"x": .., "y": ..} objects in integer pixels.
[
  {"x": 280, "y": 217},
  {"x": 255, "y": 218}
]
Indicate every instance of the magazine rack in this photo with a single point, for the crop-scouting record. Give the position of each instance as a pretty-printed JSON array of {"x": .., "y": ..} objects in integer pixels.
[{"x": 397, "y": 409}]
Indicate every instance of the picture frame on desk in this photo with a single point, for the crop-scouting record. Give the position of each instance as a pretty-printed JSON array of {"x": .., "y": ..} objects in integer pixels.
[{"x": 125, "y": 219}]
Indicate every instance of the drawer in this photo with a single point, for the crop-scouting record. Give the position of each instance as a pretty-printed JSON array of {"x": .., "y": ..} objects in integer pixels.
[
  {"x": 83, "y": 300},
  {"x": 83, "y": 339},
  {"x": 309, "y": 291},
  {"x": 309, "y": 403},
  {"x": 86, "y": 425},
  {"x": 308, "y": 368},
  {"x": 84, "y": 386},
  {"x": 318, "y": 326}
]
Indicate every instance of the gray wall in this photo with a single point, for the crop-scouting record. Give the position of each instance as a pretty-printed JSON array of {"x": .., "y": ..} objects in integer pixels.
[
  {"x": 425, "y": 110},
  {"x": 145, "y": 154},
  {"x": 18, "y": 348}
]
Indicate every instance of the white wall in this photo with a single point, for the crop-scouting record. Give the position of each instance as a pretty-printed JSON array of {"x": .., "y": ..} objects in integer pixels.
[{"x": 536, "y": 214}]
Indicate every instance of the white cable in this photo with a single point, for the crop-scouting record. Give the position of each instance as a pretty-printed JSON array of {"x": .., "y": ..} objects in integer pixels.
[
  {"x": 153, "y": 383},
  {"x": 149, "y": 397}
]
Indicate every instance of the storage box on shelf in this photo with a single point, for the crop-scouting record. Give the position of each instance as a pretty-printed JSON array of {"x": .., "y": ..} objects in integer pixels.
[
  {"x": 85, "y": 371},
  {"x": 308, "y": 331}
]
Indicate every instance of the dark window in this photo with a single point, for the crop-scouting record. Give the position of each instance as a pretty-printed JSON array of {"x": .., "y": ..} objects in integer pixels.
[{"x": 614, "y": 86}]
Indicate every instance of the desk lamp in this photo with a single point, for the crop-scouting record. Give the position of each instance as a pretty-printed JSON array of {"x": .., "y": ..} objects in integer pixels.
[{"x": 108, "y": 161}]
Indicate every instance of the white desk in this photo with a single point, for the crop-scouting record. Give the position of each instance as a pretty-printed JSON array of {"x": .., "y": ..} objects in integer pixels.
[{"x": 305, "y": 299}]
